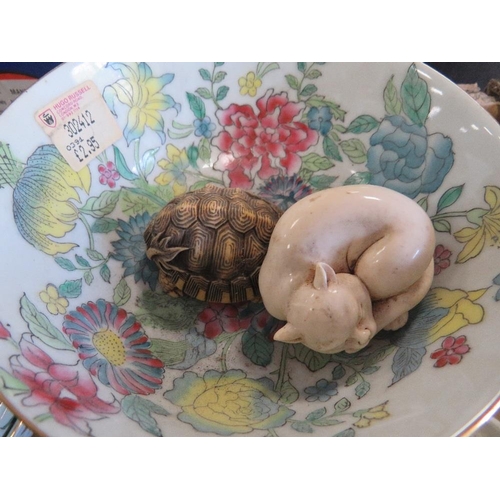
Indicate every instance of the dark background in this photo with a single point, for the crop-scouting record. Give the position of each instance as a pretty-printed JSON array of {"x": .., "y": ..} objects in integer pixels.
[{"x": 458, "y": 72}]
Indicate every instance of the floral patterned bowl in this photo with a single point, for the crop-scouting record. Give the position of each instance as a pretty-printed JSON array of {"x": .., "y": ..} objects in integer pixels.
[{"x": 90, "y": 346}]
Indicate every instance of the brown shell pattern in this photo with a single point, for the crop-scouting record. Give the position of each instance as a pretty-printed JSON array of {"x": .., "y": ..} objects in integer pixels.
[{"x": 209, "y": 244}]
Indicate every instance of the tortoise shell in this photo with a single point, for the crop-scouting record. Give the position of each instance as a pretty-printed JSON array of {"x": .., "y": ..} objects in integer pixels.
[{"x": 209, "y": 244}]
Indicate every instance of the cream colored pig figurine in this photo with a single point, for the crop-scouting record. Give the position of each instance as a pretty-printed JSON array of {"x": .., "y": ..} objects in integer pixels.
[{"x": 345, "y": 263}]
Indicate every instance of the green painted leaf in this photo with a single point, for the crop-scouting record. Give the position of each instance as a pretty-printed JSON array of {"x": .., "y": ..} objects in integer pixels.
[
  {"x": 199, "y": 184},
  {"x": 442, "y": 226},
  {"x": 95, "y": 255},
  {"x": 424, "y": 203},
  {"x": 355, "y": 150},
  {"x": 257, "y": 347},
  {"x": 323, "y": 422},
  {"x": 314, "y": 162},
  {"x": 316, "y": 414},
  {"x": 11, "y": 385},
  {"x": 170, "y": 352},
  {"x": 288, "y": 393},
  {"x": 88, "y": 277},
  {"x": 270, "y": 67},
  {"x": 331, "y": 149},
  {"x": 204, "y": 150},
  {"x": 312, "y": 359},
  {"x": 71, "y": 289},
  {"x": 313, "y": 74},
  {"x": 338, "y": 372},
  {"x": 292, "y": 81},
  {"x": 342, "y": 405},
  {"x": 121, "y": 293},
  {"x": 41, "y": 327},
  {"x": 10, "y": 168},
  {"x": 362, "y": 124},
  {"x": 392, "y": 101},
  {"x": 352, "y": 379},
  {"x": 217, "y": 64},
  {"x": 449, "y": 197},
  {"x": 221, "y": 93},
  {"x": 140, "y": 410},
  {"x": 416, "y": 97},
  {"x": 219, "y": 76},
  {"x": 65, "y": 263},
  {"x": 406, "y": 361},
  {"x": 99, "y": 206},
  {"x": 122, "y": 167},
  {"x": 204, "y": 92},
  {"x": 301, "y": 66},
  {"x": 308, "y": 90},
  {"x": 475, "y": 216},
  {"x": 362, "y": 389},
  {"x": 192, "y": 154},
  {"x": 205, "y": 74},
  {"x": 346, "y": 433},
  {"x": 496, "y": 280},
  {"x": 179, "y": 135},
  {"x": 161, "y": 311},
  {"x": 197, "y": 106},
  {"x": 105, "y": 273},
  {"x": 322, "y": 181},
  {"x": 104, "y": 225},
  {"x": 369, "y": 370},
  {"x": 83, "y": 262},
  {"x": 358, "y": 178},
  {"x": 181, "y": 126},
  {"x": 147, "y": 163},
  {"x": 304, "y": 427}
]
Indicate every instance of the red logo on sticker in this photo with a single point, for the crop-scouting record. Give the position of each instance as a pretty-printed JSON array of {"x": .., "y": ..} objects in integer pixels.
[{"x": 48, "y": 118}]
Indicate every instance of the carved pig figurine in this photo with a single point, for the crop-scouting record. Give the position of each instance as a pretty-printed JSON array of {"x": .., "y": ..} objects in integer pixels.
[{"x": 345, "y": 263}]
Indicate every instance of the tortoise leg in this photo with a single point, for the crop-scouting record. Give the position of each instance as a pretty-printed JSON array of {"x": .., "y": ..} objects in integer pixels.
[{"x": 168, "y": 286}]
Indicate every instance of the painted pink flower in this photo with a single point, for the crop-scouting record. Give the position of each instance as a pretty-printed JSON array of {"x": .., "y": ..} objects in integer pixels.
[
  {"x": 219, "y": 318},
  {"x": 4, "y": 333},
  {"x": 114, "y": 348},
  {"x": 66, "y": 391},
  {"x": 109, "y": 174},
  {"x": 267, "y": 142},
  {"x": 451, "y": 352},
  {"x": 441, "y": 259}
]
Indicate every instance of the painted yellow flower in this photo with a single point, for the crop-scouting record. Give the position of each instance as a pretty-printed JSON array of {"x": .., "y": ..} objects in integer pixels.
[
  {"x": 228, "y": 402},
  {"x": 376, "y": 413},
  {"x": 461, "y": 308},
  {"x": 141, "y": 92},
  {"x": 43, "y": 207},
  {"x": 487, "y": 232},
  {"x": 55, "y": 304},
  {"x": 249, "y": 84},
  {"x": 174, "y": 167}
]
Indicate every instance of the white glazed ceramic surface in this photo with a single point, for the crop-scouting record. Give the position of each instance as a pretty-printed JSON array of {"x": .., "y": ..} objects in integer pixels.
[{"x": 90, "y": 346}]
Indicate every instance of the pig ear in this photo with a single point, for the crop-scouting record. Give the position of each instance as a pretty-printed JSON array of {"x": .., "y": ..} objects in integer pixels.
[
  {"x": 288, "y": 334},
  {"x": 323, "y": 276}
]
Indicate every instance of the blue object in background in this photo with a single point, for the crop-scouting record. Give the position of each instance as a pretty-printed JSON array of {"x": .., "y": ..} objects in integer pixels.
[{"x": 33, "y": 69}]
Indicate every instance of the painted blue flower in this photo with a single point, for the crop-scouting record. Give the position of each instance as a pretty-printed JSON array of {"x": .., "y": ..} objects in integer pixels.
[
  {"x": 320, "y": 119},
  {"x": 130, "y": 249},
  {"x": 322, "y": 391},
  {"x": 284, "y": 191},
  {"x": 204, "y": 127},
  {"x": 404, "y": 158}
]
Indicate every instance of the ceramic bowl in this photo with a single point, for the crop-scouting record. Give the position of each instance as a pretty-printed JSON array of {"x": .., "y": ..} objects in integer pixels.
[{"x": 89, "y": 345}]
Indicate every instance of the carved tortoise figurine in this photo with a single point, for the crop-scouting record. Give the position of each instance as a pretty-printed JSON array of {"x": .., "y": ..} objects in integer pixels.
[{"x": 209, "y": 244}]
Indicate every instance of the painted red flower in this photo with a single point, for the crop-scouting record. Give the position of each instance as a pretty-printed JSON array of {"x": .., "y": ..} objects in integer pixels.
[
  {"x": 219, "y": 318},
  {"x": 4, "y": 333},
  {"x": 451, "y": 352},
  {"x": 108, "y": 174},
  {"x": 67, "y": 391},
  {"x": 262, "y": 143},
  {"x": 441, "y": 259}
]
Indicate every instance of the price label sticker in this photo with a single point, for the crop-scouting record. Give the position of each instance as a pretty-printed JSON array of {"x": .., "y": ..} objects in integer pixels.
[{"x": 79, "y": 124}]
